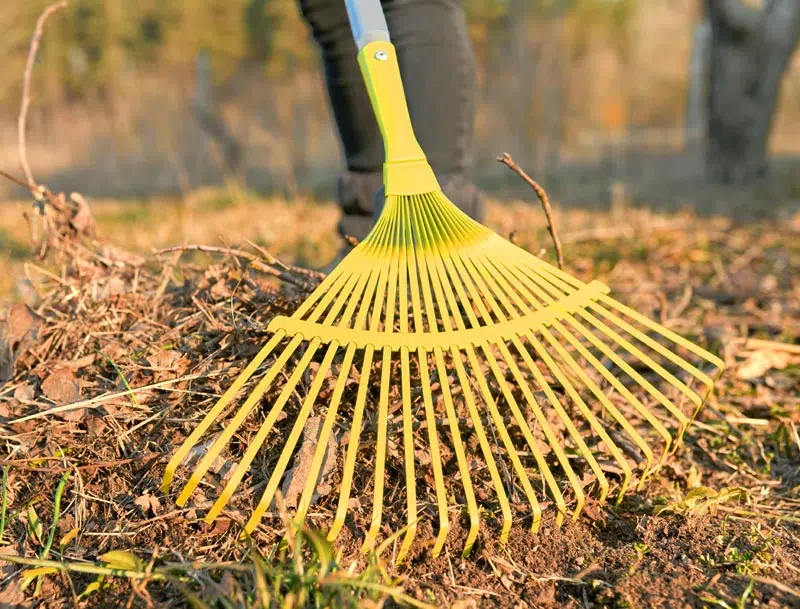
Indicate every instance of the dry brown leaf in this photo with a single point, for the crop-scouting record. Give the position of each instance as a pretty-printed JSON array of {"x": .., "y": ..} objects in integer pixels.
[
  {"x": 148, "y": 503},
  {"x": 167, "y": 364},
  {"x": 760, "y": 362},
  {"x": 61, "y": 387},
  {"x": 24, "y": 393},
  {"x": 296, "y": 477}
]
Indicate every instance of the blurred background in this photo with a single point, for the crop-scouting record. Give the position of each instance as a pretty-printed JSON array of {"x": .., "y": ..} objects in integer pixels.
[{"x": 664, "y": 103}]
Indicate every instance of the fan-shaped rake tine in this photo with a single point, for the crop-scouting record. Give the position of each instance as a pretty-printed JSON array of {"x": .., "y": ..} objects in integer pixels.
[
  {"x": 214, "y": 413},
  {"x": 377, "y": 298},
  {"x": 436, "y": 458},
  {"x": 564, "y": 278},
  {"x": 622, "y": 364},
  {"x": 670, "y": 378},
  {"x": 291, "y": 442},
  {"x": 405, "y": 264},
  {"x": 483, "y": 441},
  {"x": 426, "y": 282},
  {"x": 530, "y": 494},
  {"x": 415, "y": 271},
  {"x": 260, "y": 389},
  {"x": 607, "y": 375},
  {"x": 456, "y": 278},
  {"x": 472, "y": 278},
  {"x": 324, "y": 436},
  {"x": 446, "y": 298},
  {"x": 234, "y": 424},
  {"x": 255, "y": 444},
  {"x": 500, "y": 287},
  {"x": 383, "y": 401},
  {"x": 352, "y": 446},
  {"x": 380, "y": 453},
  {"x": 473, "y": 511},
  {"x": 360, "y": 298},
  {"x": 433, "y": 267},
  {"x": 497, "y": 418}
]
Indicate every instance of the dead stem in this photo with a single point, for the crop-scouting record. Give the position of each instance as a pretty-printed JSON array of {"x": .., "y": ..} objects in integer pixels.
[
  {"x": 26, "y": 87},
  {"x": 543, "y": 198}
]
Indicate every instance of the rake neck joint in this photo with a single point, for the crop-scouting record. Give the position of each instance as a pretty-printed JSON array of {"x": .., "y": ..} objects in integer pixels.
[{"x": 406, "y": 170}]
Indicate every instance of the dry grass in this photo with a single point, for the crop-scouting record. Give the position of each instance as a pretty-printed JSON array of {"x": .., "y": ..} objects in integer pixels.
[{"x": 119, "y": 355}]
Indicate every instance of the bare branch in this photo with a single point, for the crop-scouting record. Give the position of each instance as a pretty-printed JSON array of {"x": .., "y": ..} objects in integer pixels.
[
  {"x": 26, "y": 88},
  {"x": 543, "y": 198},
  {"x": 287, "y": 275}
]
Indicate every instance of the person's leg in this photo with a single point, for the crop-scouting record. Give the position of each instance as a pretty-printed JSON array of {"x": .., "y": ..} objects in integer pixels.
[{"x": 436, "y": 61}]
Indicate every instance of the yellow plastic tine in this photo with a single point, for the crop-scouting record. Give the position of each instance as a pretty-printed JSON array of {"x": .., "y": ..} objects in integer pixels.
[
  {"x": 431, "y": 272},
  {"x": 217, "y": 409},
  {"x": 465, "y": 277},
  {"x": 324, "y": 293},
  {"x": 527, "y": 433},
  {"x": 648, "y": 361},
  {"x": 492, "y": 281},
  {"x": 597, "y": 365},
  {"x": 461, "y": 457},
  {"x": 325, "y": 433},
  {"x": 622, "y": 364},
  {"x": 562, "y": 414},
  {"x": 380, "y": 452},
  {"x": 674, "y": 337},
  {"x": 497, "y": 418},
  {"x": 291, "y": 441},
  {"x": 483, "y": 441},
  {"x": 408, "y": 451},
  {"x": 419, "y": 274},
  {"x": 655, "y": 346},
  {"x": 529, "y": 492},
  {"x": 436, "y": 262},
  {"x": 635, "y": 436},
  {"x": 547, "y": 430},
  {"x": 693, "y": 396},
  {"x": 352, "y": 446},
  {"x": 436, "y": 458},
  {"x": 596, "y": 426},
  {"x": 255, "y": 444},
  {"x": 636, "y": 376},
  {"x": 498, "y": 282},
  {"x": 405, "y": 261},
  {"x": 608, "y": 352},
  {"x": 438, "y": 284},
  {"x": 237, "y": 420},
  {"x": 266, "y": 427},
  {"x": 379, "y": 288},
  {"x": 425, "y": 255}
]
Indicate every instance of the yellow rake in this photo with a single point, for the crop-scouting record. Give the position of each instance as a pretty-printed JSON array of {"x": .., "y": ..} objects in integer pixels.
[{"x": 438, "y": 349}]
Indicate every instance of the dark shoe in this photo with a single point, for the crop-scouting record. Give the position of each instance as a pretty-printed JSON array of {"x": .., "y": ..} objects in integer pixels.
[{"x": 356, "y": 196}]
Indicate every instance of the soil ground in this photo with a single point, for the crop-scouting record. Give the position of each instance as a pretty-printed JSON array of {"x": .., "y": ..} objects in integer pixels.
[{"x": 717, "y": 526}]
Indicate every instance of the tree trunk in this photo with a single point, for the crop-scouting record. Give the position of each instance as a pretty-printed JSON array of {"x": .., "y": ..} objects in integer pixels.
[{"x": 750, "y": 52}]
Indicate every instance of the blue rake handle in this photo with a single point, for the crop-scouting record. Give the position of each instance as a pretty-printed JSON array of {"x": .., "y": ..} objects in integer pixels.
[{"x": 367, "y": 21}]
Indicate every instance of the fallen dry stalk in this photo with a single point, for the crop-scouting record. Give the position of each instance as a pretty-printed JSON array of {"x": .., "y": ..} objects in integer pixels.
[
  {"x": 26, "y": 86},
  {"x": 543, "y": 198}
]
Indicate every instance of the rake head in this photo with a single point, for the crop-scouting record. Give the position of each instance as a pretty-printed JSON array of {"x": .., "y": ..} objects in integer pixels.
[{"x": 487, "y": 379}]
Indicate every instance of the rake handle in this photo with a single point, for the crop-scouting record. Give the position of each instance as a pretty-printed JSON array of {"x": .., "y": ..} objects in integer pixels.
[{"x": 367, "y": 21}]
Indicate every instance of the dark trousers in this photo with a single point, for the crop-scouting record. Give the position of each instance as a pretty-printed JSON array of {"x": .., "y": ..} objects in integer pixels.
[{"x": 438, "y": 69}]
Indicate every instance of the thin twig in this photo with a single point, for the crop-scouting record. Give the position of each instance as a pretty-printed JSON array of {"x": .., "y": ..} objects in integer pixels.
[
  {"x": 26, "y": 87},
  {"x": 545, "y": 200},
  {"x": 255, "y": 261}
]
